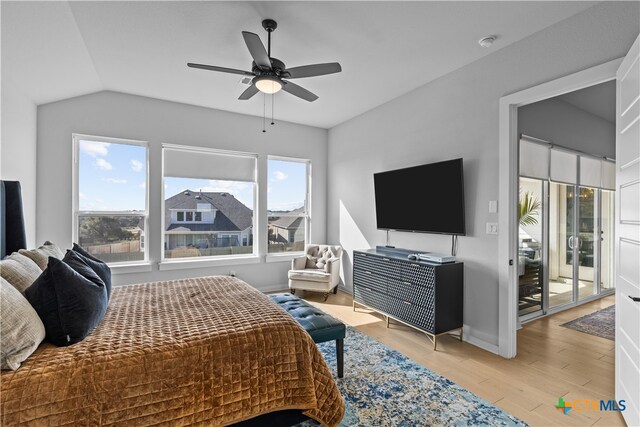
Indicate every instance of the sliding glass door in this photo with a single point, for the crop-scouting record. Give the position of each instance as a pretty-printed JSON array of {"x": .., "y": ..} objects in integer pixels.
[
  {"x": 565, "y": 241},
  {"x": 561, "y": 222},
  {"x": 586, "y": 242},
  {"x": 531, "y": 243}
]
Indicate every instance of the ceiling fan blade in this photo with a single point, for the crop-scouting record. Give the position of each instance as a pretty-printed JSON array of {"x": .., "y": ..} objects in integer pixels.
[
  {"x": 299, "y": 91},
  {"x": 248, "y": 92},
  {"x": 221, "y": 69},
  {"x": 257, "y": 50},
  {"x": 313, "y": 70}
]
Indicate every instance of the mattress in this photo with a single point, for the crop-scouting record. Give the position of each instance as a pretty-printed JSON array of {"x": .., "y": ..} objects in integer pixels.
[{"x": 208, "y": 351}]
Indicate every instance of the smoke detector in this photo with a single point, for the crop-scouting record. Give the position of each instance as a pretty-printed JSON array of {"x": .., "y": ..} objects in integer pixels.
[{"x": 487, "y": 41}]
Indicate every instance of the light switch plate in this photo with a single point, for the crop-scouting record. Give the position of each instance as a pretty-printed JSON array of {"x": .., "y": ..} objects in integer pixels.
[
  {"x": 493, "y": 206},
  {"x": 492, "y": 228}
]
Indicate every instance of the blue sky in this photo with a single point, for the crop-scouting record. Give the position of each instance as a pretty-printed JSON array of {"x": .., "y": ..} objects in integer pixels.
[
  {"x": 287, "y": 185},
  {"x": 113, "y": 176}
]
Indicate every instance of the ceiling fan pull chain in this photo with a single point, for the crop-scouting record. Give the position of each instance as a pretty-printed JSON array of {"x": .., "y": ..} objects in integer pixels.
[
  {"x": 264, "y": 112},
  {"x": 272, "y": 104}
]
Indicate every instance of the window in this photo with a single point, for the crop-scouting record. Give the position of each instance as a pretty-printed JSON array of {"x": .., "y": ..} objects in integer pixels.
[
  {"x": 110, "y": 198},
  {"x": 288, "y": 204},
  {"x": 216, "y": 192}
]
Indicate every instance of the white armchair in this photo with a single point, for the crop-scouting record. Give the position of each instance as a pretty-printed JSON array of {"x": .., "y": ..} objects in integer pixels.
[{"x": 318, "y": 270}]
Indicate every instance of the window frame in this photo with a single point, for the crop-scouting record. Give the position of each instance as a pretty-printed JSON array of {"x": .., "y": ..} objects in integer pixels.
[
  {"x": 307, "y": 205},
  {"x": 212, "y": 260},
  {"x": 76, "y": 213}
]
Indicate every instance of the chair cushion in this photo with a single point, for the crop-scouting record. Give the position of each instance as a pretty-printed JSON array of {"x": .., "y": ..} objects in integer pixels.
[
  {"x": 317, "y": 257},
  {"x": 320, "y": 325},
  {"x": 311, "y": 275}
]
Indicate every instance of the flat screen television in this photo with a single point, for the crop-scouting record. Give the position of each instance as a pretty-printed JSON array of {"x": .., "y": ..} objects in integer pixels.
[{"x": 427, "y": 198}]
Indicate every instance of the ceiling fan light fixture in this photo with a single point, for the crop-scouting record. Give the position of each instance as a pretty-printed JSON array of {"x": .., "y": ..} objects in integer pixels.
[{"x": 268, "y": 84}]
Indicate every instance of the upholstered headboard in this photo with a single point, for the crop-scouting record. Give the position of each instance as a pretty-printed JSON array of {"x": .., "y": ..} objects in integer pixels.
[{"x": 12, "y": 231}]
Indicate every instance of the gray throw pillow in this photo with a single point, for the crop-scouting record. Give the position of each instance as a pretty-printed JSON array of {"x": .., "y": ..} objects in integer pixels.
[
  {"x": 19, "y": 270},
  {"x": 41, "y": 255},
  {"x": 311, "y": 262},
  {"x": 21, "y": 330}
]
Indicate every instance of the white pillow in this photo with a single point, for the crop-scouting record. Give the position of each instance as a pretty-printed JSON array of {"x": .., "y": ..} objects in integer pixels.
[{"x": 21, "y": 330}]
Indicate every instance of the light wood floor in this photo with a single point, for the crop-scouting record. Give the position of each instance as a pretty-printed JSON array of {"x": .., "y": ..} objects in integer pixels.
[{"x": 552, "y": 361}]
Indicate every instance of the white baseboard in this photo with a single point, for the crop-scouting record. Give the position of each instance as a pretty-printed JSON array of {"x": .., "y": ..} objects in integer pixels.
[
  {"x": 480, "y": 339},
  {"x": 274, "y": 288}
]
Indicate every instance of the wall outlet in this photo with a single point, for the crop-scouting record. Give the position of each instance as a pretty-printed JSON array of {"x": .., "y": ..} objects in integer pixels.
[
  {"x": 232, "y": 273},
  {"x": 492, "y": 228}
]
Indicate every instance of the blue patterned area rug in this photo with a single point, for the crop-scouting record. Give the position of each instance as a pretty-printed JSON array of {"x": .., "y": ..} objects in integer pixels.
[
  {"x": 382, "y": 387},
  {"x": 602, "y": 323}
]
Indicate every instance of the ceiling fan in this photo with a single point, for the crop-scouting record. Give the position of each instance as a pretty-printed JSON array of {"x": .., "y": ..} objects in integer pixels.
[{"x": 269, "y": 73}]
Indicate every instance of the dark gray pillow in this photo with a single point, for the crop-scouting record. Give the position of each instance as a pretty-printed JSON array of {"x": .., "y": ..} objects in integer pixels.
[
  {"x": 100, "y": 267},
  {"x": 70, "y": 299}
]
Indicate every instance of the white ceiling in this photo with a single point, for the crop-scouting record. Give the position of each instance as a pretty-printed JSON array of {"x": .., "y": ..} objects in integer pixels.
[
  {"x": 57, "y": 50},
  {"x": 599, "y": 100}
]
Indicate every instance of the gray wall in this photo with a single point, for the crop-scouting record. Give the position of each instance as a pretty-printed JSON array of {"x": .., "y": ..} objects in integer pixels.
[
  {"x": 119, "y": 115},
  {"x": 556, "y": 121},
  {"x": 457, "y": 116},
  {"x": 18, "y": 149}
]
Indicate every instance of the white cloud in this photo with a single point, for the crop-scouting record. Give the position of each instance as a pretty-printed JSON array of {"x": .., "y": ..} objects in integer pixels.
[
  {"x": 94, "y": 148},
  {"x": 114, "y": 180},
  {"x": 142, "y": 185},
  {"x": 280, "y": 176},
  {"x": 90, "y": 204},
  {"x": 136, "y": 165},
  {"x": 103, "y": 164}
]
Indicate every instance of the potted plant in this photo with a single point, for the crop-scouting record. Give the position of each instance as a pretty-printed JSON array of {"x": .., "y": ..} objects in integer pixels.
[{"x": 528, "y": 207}]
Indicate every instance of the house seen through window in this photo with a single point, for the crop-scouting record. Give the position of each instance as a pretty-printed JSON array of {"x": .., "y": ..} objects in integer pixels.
[
  {"x": 288, "y": 204},
  {"x": 110, "y": 209},
  {"x": 209, "y": 203}
]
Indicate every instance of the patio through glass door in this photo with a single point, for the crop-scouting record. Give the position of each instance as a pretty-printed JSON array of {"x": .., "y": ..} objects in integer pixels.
[{"x": 565, "y": 245}]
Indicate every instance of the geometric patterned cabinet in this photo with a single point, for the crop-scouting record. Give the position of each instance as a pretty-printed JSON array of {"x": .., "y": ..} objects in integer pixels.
[{"x": 423, "y": 295}]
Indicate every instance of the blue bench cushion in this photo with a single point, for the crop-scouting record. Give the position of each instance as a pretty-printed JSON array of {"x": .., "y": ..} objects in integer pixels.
[{"x": 321, "y": 326}]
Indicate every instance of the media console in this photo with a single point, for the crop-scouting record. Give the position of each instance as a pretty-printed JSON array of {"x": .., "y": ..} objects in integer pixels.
[{"x": 424, "y": 295}]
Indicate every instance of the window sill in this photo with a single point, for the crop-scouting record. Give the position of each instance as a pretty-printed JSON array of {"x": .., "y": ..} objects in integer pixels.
[
  {"x": 283, "y": 257},
  {"x": 141, "y": 267},
  {"x": 181, "y": 264}
]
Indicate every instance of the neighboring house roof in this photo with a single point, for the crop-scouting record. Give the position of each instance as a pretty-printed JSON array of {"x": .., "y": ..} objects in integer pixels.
[
  {"x": 232, "y": 214},
  {"x": 288, "y": 222}
]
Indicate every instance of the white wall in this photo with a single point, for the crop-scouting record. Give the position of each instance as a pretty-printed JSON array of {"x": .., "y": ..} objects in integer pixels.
[
  {"x": 119, "y": 115},
  {"x": 563, "y": 124},
  {"x": 457, "y": 116},
  {"x": 18, "y": 149}
]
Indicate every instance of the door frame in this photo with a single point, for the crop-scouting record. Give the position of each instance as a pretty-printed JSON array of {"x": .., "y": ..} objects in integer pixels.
[{"x": 508, "y": 189}]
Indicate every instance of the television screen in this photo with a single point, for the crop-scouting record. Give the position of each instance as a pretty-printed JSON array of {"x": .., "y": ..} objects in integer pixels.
[{"x": 427, "y": 198}]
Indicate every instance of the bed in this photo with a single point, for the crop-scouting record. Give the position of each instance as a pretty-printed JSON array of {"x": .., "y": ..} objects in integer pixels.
[{"x": 209, "y": 351}]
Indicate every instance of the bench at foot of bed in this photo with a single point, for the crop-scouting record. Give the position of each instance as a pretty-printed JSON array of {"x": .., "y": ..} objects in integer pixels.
[{"x": 321, "y": 326}]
